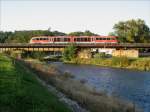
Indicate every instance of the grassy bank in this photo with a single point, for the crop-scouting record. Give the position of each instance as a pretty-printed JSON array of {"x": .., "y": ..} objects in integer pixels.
[
  {"x": 116, "y": 62},
  {"x": 85, "y": 95},
  {"x": 21, "y": 92}
]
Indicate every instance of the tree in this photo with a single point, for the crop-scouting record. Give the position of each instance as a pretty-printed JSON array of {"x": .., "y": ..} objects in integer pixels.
[
  {"x": 25, "y": 36},
  {"x": 69, "y": 52},
  {"x": 79, "y": 33},
  {"x": 132, "y": 31},
  {"x": 112, "y": 34},
  {"x": 4, "y": 36}
]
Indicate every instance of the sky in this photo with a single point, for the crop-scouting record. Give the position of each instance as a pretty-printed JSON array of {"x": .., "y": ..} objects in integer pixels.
[{"x": 98, "y": 16}]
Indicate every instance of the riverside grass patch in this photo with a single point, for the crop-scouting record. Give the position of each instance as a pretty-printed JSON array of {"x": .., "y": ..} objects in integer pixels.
[
  {"x": 21, "y": 92},
  {"x": 141, "y": 63}
]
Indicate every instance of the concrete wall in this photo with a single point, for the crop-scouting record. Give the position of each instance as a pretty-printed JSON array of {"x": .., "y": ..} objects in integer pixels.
[
  {"x": 126, "y": 53},
  {"x": 104, "y": 50}
]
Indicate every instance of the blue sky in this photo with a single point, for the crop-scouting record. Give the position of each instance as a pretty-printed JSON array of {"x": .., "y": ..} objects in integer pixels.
[{"x": 68, "y": 16}]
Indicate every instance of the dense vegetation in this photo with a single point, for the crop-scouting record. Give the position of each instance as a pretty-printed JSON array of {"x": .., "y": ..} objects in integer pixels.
[
  {"x": 69, "y": 52},
  {"x": 21, "y": 92},
  {"x": 117, "y": 62},
  {"x": 132, "y": 31},
  {"x": 79, "y": 33}
]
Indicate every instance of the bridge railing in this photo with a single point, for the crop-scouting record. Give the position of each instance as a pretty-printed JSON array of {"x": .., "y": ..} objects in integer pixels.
[{"x": 76, "y": 44}]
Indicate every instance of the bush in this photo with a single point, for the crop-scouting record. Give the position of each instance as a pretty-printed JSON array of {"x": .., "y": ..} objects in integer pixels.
[
  {"x": 69, "y": 52},
  {"x": 100, "y": 55},
  {"x": 34, "y": 55},
  {"x": 141, "y": 64},
  {"x": 120, "y": 61}
]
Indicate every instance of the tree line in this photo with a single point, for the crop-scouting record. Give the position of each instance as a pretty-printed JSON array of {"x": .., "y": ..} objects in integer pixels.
[{"x": 130, "y": 31}]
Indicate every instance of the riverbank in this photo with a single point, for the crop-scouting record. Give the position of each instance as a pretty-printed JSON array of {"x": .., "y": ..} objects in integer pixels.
[
  {"x": 21, "y": 92},
  {"x": 77, "y": 90},
  {"x": 142, "y": 64}
]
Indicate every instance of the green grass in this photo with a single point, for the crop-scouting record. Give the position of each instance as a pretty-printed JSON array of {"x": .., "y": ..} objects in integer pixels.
[{"x": 21, "y": 92}]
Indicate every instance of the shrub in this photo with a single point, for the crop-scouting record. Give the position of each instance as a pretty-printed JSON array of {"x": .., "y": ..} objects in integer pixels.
[
  {"x": 69, "y": 52},
  {"x": 100, "y": 55},
  {"x": 141, "y": 64},
  {"x": 120, "y": 61}
]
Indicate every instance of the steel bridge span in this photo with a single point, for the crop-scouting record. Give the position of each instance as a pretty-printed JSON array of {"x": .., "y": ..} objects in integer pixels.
[
  {"x": 129, "y": 49},
  {"x": 59, "y": 46}
]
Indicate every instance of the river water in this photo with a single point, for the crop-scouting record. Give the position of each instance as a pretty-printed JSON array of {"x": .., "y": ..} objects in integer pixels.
[{"x": 126, "y": 84}]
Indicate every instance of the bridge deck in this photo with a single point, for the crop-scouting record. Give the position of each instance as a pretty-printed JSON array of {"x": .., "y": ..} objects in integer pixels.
[{"x": 93, "y": 45}]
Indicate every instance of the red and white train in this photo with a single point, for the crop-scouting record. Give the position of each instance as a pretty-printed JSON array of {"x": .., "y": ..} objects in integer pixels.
[{"x": 73, "y": 39}]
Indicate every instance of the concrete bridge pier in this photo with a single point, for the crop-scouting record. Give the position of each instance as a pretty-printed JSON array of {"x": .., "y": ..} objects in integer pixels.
[{"x": 131, "y": 53}]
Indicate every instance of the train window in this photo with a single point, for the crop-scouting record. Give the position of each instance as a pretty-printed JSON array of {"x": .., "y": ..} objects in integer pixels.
[
  {"x": 78, "y": 39},
  {"x": 66, "y": 39},
  {"x": 104, "y": 38},
  {"x": 112, "y": 38},
  {"x": 37, "y": 38},
  {"x": 88, "y": 39},
  {"x": 34, "y": 39},
  {"x": 58, "y": 39},
  {"x": 75, "y": 39},
  {"x": 55, "y": 39},
  {"x": 99, "y": 38},
  {"x": 108, "y": 38}
]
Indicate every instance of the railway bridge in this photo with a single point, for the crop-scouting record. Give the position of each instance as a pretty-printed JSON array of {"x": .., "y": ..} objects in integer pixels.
[
  {"x": 60, "y": 47},
  {"x": 27, "y": 46}
]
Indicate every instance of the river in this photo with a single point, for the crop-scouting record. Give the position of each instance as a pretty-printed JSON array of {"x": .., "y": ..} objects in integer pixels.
[{"x": 126, "y": 84}]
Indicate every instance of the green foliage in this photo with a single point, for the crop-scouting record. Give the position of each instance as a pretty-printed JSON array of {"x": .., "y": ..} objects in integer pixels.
[
  {"x": 34, "y": 55},
  {"x": 4, "y": 36},
  {"x": 120, "y": 61},
  {"x": 25, "y": 36},
  {"x": 69, "y": 52},
  {"x": 79, "y": 33},
  {"x": 132, "y": 31},
  {"x": 100, "y": 55},
  {"x": 141, "y": 64},
  {"x": 111, "y": 34}
]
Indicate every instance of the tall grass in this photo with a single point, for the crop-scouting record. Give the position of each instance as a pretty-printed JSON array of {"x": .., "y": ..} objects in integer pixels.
[
  {"x": 21, "y": 92},
  {"x": 118, "y": 62}
]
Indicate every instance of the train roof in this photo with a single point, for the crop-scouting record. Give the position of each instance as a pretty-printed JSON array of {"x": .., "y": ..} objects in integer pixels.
[{"x": 75, "y": 36}]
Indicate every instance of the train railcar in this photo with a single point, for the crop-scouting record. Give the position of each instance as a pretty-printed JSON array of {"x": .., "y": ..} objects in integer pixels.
[
  {"x": 73, "y": 39},
  {"x": 106, "y": 39}
]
